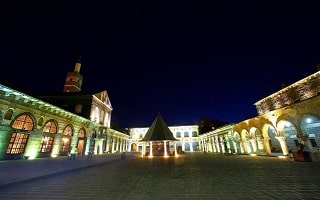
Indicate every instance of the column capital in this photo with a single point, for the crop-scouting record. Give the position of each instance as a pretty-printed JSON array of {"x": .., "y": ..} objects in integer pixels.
[{"x": 280, "y": 138}]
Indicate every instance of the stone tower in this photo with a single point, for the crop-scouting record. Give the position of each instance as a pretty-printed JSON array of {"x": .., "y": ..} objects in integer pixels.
[{"x": 74, "y": 79}]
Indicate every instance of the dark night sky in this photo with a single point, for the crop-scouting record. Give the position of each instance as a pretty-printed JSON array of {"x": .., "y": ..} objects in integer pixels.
[{"x": 185, "y": 59}]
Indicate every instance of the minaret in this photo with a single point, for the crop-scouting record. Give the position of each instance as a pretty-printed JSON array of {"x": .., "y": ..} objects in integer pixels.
[{"x": 74, "y": 79}]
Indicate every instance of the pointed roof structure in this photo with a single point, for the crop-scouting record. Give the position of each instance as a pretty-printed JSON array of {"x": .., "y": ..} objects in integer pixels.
[{"x": 158, "y": 131}]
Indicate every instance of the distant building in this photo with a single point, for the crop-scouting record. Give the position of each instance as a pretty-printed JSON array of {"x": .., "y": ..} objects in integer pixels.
[{"x": 183, "y": 139}]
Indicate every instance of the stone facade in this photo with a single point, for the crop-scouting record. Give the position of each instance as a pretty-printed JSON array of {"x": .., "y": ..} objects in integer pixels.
[
  {"x": 32, "y": 128},
  {"x": 287, "y": 119}
]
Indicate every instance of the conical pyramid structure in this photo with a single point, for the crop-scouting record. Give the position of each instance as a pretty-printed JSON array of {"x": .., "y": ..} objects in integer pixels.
[{"x": 158, "y": 131}]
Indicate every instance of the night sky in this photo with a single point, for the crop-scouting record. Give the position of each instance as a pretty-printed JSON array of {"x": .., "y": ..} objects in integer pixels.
[{"x": 185, "y": 59}]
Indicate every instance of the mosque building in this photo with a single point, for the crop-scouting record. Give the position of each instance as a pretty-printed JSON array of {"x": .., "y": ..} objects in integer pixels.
[{"x": 56, "y": 125}]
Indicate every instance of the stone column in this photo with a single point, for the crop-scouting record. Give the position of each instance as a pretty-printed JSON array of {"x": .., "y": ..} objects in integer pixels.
[
  {"x": 175, "y": 149},
  {"x": 150, "y": 154},
  {"x": 217, "y": 145},
  {"x": 253, "y": 143},
  {"x": 117, "y": 145},
  {"x": 183, "y": 143},
  {"x": 143, "y": 148},
  {"x": 107, "y": 145},
  {"x": 213, "y": 146},
  {"x": 113, "y": 144},
  {"x": 267, "y": 145},
  {"x": 283, "y": 144},
  {"x": 165, "y": 148}
]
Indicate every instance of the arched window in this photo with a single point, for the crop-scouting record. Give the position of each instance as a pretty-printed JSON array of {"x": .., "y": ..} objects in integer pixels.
[
  {"x": 178, "y": 134},
  {"x": 81, "y": 141},
  {"x": 82, "y": 133},
  {"x": 20, "y": 137},
  {"x": 186, "y": 134},
  {"x": 50, "y": 127},
  {"x": 78, "y": 108},
  {"x": 40, "y": 121},
  {"x": 47, "y": 140},
  {"x": 8, "y": 114},
  {"x": 68, "y": 131},
  {"x": 66, "y": 139},
  {"x": 23, "y": 122},
  {"x": 194, "y": 133}
]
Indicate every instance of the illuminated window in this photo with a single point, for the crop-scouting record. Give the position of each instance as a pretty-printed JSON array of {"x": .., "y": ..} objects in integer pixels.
[
  {"x": 17, "y": 143},
  {"x": 65, "y": 144},
  {"x": 81, "y": 134},
  {"x": 23, "y": 122},
  {"x": 50, "y": 127},
  {"x": 81, "y": 141},
  {"x": 46, "y": 144},
  {"x": 47, "y": 140},
  {"x": 68, "y": 131},
  {"x": 66, "y": 140},
  {"x": 19, "y": 139}
]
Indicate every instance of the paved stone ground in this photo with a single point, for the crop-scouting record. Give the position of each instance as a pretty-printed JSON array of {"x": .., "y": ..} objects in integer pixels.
[{"x": 190, "y": 176}]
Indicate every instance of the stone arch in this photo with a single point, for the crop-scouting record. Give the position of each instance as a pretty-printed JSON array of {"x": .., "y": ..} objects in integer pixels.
[
  {"x": 310, "y": 128},
  {"x": 257, "y": 140},
  {"x": 288, "y": 131},
  {"x": 273, "y": 143},
  {"x": 134, "y": 147},
  {"x": 269, "y": 136}
]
